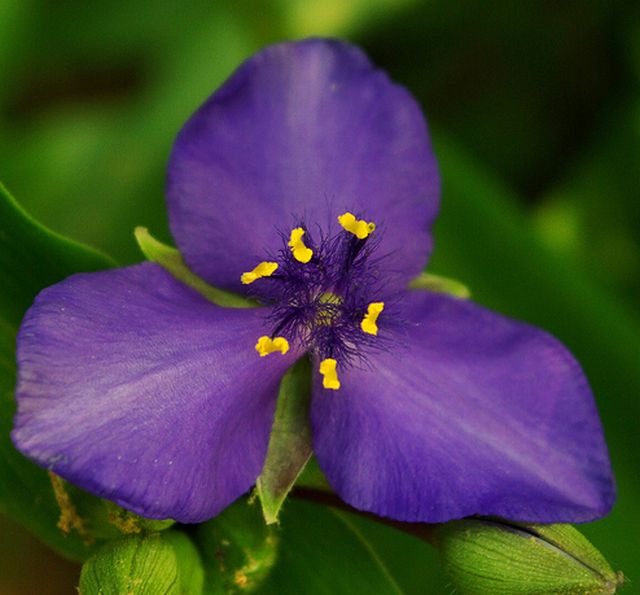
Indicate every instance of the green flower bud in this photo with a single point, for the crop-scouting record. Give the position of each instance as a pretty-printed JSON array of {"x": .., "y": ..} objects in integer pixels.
[
  {"x": 189, "y": 562},
  {"x": 499, "y": 558},
  {"x": 149, "y": 564}
]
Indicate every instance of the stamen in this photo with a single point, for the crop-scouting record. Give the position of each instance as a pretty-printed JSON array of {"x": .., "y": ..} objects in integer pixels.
[
  {"x": 264, "y": 269},
  {"x": 267, "y": 345},
  {"x": 358, "y": 227},
  {"x": 368, "y": 323},
  {"x": 300, "y": 252},
  {"x": 330, "y": 376}
]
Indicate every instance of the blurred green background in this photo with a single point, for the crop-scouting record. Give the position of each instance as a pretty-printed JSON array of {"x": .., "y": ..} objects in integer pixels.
[{"x": 535, "y": 112}]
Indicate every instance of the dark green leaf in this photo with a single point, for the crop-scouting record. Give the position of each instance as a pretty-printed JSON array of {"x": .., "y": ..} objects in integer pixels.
[{"x": 322, "y": 552}]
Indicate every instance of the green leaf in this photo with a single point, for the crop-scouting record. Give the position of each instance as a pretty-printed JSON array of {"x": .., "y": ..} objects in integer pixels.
[
  {"x": 239, "y": 550},
  {"x": 439, "y": 284},
  {"x": 322, "y": 552},
  {"x": 135, "y": 565},
  {"x": 290, "y": 442},
  {"x": 171, "y": 260},
  {"x": 314, "y": 550},
  {"x": 31, "y": 258},
  {"x": 487, "y": 557},
  {"x": 410, "y": 558}
]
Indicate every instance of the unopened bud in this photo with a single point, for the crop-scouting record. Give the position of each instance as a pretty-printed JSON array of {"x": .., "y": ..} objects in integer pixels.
[
  {"x": 160, "y": 563},
  {"x": 501, "y": 558}
]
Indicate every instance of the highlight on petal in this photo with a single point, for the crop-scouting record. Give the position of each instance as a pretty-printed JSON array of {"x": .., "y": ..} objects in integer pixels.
[
  {"x": 303, "y": 130},
  {"x": 469, "y": 413},
  {"x": 136, "y": 388}
]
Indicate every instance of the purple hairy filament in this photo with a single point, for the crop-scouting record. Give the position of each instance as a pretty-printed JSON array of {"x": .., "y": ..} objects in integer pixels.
[{"x": 323, "y": 295}]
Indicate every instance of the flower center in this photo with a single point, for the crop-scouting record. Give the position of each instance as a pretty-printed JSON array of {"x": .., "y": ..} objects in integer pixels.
[
  {"x": 329, "y": 305},
  {"x": 321, "y": 294}
]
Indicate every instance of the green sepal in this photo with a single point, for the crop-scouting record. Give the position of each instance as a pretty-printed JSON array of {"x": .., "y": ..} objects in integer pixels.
[
  {"x": 136, "y": 565},
  {"x": 171, "y": 260},
  {"x": 495, "y": 557},
  {"x": 438, "y": 284},
  {"x": 290, "y": 442},
  {"x": 238, "y": 549}
]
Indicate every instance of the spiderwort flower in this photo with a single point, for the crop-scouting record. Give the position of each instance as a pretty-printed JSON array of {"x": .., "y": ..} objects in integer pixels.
[{"x": 308, "y": 181}]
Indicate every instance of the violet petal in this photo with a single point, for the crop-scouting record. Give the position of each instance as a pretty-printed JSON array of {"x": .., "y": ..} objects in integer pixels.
[
  {"x": 139, "y": 390},
  {"x": 470, "y": 413},
  {"x": 304, "y": 130}
]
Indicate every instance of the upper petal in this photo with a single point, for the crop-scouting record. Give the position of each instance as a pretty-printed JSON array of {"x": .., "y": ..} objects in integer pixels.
[
  {"x": 477, "y": 414},
  {"x": 301, "y": 130},
  {"x": 136, "y": 388}
]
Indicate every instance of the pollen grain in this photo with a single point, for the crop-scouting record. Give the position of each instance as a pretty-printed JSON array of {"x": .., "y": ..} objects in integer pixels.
[
  {"x": 369, "y": 322},
  {"x": 300, "y": 251},
  {"x": 264, "y": 269},
  {"x": 267, "y": 345},
  {"x": 358, "y": 227},
  {"x": 329, "y": 373}
]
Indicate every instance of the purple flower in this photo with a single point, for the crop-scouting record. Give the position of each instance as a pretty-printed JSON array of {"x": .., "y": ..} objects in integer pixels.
[{"x": 308, "y": 182}]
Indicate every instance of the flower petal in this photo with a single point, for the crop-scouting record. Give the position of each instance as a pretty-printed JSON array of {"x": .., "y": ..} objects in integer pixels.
[
  {"x": 308, "y": 130},
  {"x": 477, "y": 415},
  {"x": 136, "y": 388}
]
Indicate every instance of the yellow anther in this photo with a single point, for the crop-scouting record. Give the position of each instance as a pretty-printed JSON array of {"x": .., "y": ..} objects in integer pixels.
[
  {"x": 267, "y": 345},
  {"x": 264, "y": 269},
  {"x": 358, "y": 227},
  {"x": 300, "y": 252},
  {"x": 368, "y": 323},
  {"x": 330, "y": 376}
]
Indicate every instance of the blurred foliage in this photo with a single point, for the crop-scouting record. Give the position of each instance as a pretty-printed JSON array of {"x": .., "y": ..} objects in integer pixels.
[{"x": 536, "y": 109}]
